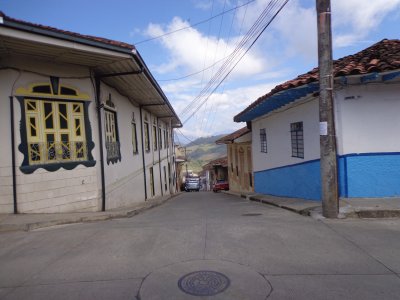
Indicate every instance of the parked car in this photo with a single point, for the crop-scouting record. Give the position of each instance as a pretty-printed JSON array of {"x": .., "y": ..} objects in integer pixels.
[
  {"x": 192, "y": 184},
  {"x": 220, "y": 185}
]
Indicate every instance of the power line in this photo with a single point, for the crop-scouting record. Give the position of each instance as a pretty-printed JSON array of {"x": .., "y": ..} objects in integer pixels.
[
  {"x": 273, "y": 8},
  {"x": 195, "y": 24},
  {"x": 195, "y": 73},
  {"x": 231, "y": 58}
]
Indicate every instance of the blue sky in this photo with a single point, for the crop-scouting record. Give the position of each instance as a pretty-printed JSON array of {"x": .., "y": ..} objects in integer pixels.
[{"x": 286, "y": 49}]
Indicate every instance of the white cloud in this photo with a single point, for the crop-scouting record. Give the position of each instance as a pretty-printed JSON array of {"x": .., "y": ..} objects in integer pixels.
[
  {"x": 217, "y": 115},
  {"x": 292, "y": 36},
  {"x": 192, "y": 51},
  {"x": 354, "y": 20},
  {"x": 292, "y": 33}
]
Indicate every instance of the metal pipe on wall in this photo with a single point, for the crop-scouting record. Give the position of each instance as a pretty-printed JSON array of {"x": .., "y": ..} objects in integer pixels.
[
  {"x": 14, "y": 177},
  {"x": 98, "y": 107}
]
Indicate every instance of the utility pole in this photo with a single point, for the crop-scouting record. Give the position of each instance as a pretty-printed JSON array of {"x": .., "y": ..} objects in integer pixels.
[
  {"x": 187, "y": 175},
  {"x": 330, "y": 202}
]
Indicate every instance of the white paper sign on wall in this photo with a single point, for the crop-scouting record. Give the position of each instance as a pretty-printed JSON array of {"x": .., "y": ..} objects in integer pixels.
[{"x": 323, "y": 128}]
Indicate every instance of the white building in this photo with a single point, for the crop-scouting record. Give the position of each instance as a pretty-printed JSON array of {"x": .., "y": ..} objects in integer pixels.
[
  {"x": 85, "y": 127},
  {"x": 285, "y": 129}
]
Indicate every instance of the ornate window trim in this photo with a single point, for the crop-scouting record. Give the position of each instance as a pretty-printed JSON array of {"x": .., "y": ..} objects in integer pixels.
[
  {"x": 61, "y": 158},
  {"x": 135, "y": 149},
  {"x": 146, "y": 132},
  {"x": 112, "y": 142},
  {"x": 154, "y": 135}
]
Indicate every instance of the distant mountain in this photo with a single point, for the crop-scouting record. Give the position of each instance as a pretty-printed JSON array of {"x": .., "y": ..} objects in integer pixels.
[
  {"x": 205, "y": 140},
  {"x": 203, "y": 150}
]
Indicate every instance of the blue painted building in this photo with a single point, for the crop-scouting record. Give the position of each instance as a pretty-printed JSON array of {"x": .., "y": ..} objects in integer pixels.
[{"x": 286, "y": 129}]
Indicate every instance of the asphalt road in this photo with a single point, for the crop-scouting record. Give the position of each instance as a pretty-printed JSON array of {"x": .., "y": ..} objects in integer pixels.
[{"x": 205, "y": 246}]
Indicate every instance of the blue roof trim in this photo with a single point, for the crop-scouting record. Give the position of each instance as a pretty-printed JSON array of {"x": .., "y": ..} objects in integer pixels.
[
  {"x": 391, "y": 76},
  {"x": 370, "y": 77},
  {"x": 278, "y": 100}
]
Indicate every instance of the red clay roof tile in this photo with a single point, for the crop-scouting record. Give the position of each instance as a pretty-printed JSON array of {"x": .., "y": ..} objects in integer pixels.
[
  {"x": 72, "y": 34},
  {"x": 381, "y": 57},
  {"x": 234, "y": 135}
]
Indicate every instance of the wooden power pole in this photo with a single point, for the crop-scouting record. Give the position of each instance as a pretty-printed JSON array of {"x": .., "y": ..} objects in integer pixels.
[{"x": 330, "y": 202}]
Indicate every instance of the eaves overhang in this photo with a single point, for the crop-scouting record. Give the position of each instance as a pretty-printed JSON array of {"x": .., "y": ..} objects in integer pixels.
[
  {"x": 277, "y": 101},
  {"x": 117, "y": 64}
]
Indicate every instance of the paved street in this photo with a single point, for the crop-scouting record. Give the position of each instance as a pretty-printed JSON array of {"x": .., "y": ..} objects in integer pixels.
[{"x": 205, "y": 245}]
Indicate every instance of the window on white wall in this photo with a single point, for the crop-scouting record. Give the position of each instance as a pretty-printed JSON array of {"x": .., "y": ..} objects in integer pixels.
[
  {"x": 134, "y": 135},
  {"x": 154, "y": 135},
  {"x": 152, "y": 182},
  {"x": 146, "y": 135},
  {"x": 263, "y": 140},
  {"x": 297, "y": 137},
  {"x": 165, "y": 178},
  {"x": 160, "y": 138},
  {"x": 111, "y": 131}
]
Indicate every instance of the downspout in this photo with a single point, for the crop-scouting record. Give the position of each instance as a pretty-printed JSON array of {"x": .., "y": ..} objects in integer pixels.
[
  {"x": 168, "y": 162},
  {"x": 14, "y": 177},
  {"x": 159, "y": 158},
  {"x": 143, "y": 160},
  {"x": 98, "y": 107}
]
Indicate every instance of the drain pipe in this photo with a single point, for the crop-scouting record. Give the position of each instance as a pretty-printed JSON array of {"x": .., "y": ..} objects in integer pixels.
[
  {"x": 143, "y": 159},
  {"x": 14, "y": 177},
  {"x": 98, "y": 107},
  {"x": 159, "y": 158}
]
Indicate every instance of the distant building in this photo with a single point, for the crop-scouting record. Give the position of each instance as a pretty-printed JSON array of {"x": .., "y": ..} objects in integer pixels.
[
  {"x": 286, "y": 129},
  {"x": 216, "y": 169},
  {"x": 240, "y": 166},
  {"x": 85, "y": 126}
]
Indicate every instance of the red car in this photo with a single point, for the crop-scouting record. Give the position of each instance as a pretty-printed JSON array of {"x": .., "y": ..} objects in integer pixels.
[{"x": 220, "y": 185}]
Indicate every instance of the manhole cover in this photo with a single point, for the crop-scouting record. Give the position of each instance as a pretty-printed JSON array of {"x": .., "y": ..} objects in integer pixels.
[
  {"x": 203, "y": 283},
  {"x": 251, "y": 214}
]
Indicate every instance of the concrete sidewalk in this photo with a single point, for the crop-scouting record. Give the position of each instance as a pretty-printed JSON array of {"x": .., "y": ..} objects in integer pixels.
[
  {"x": 26, "y": 222},
  {"x": 348, "y": 208}
]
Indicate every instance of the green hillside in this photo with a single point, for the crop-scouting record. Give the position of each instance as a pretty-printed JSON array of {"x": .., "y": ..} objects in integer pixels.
[{"x": 203, "y": 150}]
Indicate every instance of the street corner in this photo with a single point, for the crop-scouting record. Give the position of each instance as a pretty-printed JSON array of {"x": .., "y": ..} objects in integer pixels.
[{"x": 205, "y": 278}]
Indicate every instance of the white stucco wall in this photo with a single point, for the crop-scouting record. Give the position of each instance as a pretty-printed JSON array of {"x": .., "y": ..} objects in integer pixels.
[
  {"x": 244, "y": 138},
  {"x": 277, "y": 127},
  {"x": 43, "y": 191},
  {"x": 78, "y": 189},
  {"x": 7, "y": 78},
  {"x": 368, "y": 120},
  {"x": 124, "y": 179}
]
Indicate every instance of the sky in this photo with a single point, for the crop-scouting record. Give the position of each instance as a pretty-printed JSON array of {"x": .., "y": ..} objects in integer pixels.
[{"x": 186, "y": 62}]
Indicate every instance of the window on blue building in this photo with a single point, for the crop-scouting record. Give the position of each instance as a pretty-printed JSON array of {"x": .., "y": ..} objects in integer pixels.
[
  {"x": 296, "y": 132},
  {"x": 263, "y": 140}
]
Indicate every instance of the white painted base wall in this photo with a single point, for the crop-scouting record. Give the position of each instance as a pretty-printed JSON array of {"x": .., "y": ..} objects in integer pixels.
[{"x": 79, "y": 189}]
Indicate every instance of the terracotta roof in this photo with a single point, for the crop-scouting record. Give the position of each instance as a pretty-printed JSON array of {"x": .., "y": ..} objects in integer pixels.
[
  {"x": 381, "y": 57},
  {"x": 69, "y": 33},
  {"x": 231, "y": 137},
  {"x": 222, "y": 161}
]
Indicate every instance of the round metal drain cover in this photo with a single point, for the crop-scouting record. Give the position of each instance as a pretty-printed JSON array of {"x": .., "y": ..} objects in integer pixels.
[
  {"x": 204, "y": 283},
  {"x": 251, "y": 214}
]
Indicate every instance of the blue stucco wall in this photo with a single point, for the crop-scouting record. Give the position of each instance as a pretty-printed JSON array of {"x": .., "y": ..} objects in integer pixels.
[
  {"x": 367, "y": 175},
  {"x": 297, "y": 181}
]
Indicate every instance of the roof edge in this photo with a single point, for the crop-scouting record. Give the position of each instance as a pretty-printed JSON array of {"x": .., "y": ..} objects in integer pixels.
[{"x": 66, "y": 35}]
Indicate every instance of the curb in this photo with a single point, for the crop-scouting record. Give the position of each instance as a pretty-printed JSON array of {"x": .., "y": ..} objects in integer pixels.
[
  {"x": 101, "y": 216},
  {"x": 315, "y": 211},
  {"x": 303, "y": 212}
]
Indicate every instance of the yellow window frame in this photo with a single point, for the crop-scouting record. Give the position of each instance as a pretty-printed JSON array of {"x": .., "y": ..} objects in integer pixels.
[{"x": 40, "y": 150}]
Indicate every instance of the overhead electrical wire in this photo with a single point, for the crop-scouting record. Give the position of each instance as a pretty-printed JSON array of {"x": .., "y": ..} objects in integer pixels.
[
  {"x": 214, "y": 107},
  {"x": 214, "y": 59},
  {"x": 231, "y": 58},
  {"x": 206, "y": 52},
  {"x": 195, "y": 24},
  {"x": 263, "y": 21}
]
